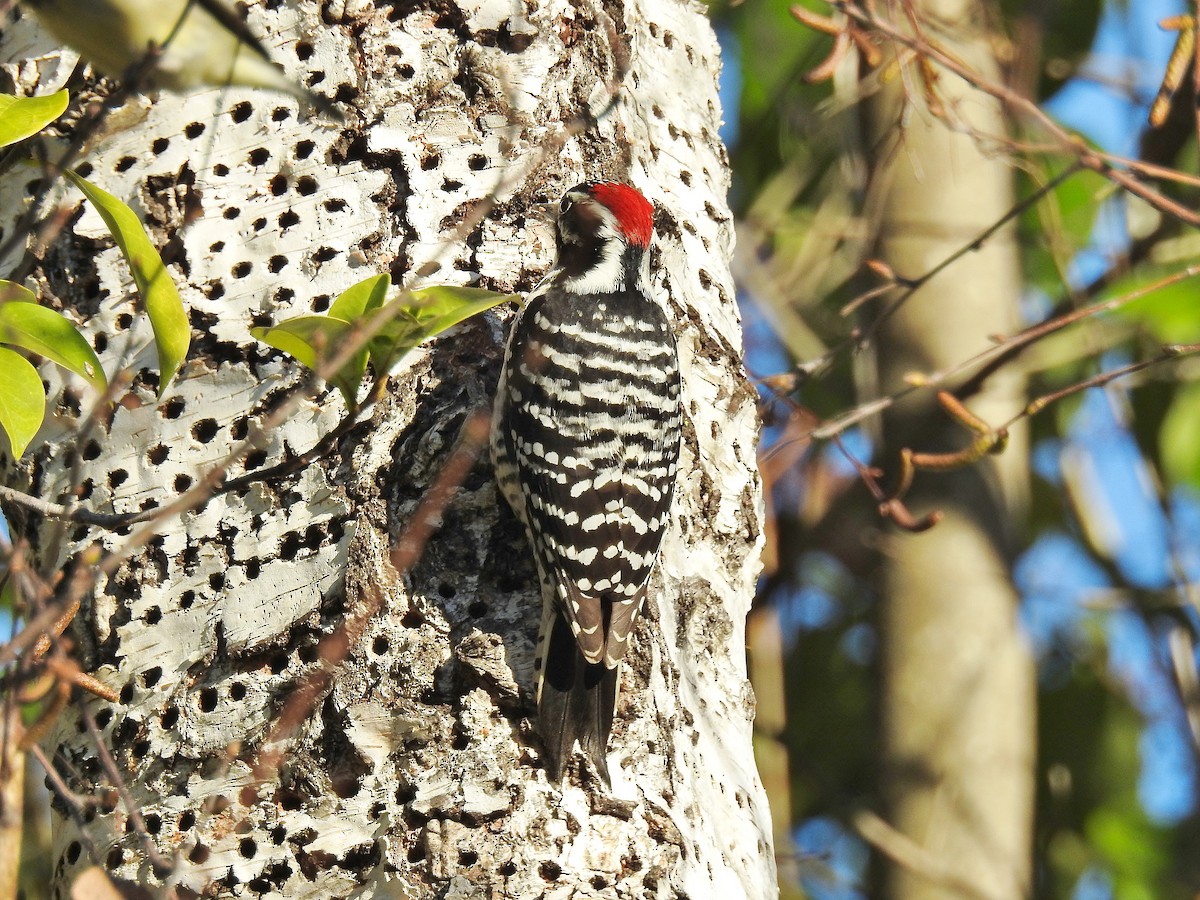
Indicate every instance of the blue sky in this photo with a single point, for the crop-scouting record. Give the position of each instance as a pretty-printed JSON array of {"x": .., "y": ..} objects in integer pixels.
[{"x": 1058, "y": 576}]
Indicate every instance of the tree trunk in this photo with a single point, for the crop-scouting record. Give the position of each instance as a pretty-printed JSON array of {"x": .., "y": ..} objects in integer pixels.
[
  {"x": 957, "y": 677},
  {"x": 414, "y": 771},
  {"x": 12, "y": 809}
]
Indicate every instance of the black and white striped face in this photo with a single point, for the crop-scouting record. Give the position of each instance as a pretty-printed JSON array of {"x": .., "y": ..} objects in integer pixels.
[
  {"x": 604, "y": 229},
  {"x": 582, "y": 217}
]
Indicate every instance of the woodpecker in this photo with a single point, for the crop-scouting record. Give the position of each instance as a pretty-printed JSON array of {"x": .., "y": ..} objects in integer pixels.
[{"x": 585, "y": 442}]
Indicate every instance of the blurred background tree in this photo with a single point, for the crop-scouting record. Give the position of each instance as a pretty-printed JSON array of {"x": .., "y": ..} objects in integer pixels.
[{"x": 1004, "y": 704}]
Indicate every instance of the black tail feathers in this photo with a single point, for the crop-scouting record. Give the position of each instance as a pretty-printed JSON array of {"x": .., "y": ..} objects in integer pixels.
[{"x": 577, "y": 702}]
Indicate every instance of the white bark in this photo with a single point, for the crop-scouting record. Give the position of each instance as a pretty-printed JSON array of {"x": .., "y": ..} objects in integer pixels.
[{"x": 417, "y": 774}]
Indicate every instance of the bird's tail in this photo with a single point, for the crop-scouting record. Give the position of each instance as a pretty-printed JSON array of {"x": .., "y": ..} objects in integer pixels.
[{"x": 576, "y": 702}]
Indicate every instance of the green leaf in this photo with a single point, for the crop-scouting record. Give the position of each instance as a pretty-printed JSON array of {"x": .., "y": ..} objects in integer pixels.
[
  {"x": 52, "y": 335},
  {"x": 1060, "y": 223},
  {"x": 444, "y": 306},
  {"x": 21, "y": 117},
  {"x": 22, "y": 402},
  {"x": 308, "y": 338},
  {"x": 11, "y": 292},
  {"x": 1179, "y": 437},
  {"x": 172, "y": 332},
  {"x": 1169, "y": 312},
  {"x": 425, "y": 313},
  {"x": 365, "y": 297},
  {"x": 311, "y": 339},
  {"x": 354, "y": 305},
  {"x": 415, "y": 316},
  {"x": 1125, "y": 838},
  {"x": 8, "y": 594}
]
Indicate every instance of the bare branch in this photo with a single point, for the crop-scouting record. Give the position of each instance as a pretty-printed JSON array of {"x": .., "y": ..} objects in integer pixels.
[
  {"x": 333, "y": 649},
  {"x": 906, "y": 852}
]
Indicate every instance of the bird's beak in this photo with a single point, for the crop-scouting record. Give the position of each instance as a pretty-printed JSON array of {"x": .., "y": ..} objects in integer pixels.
[{"x": 544, "y": 212}]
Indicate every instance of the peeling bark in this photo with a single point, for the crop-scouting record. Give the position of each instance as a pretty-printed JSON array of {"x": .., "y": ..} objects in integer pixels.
[{"x": 416, "y": 774}]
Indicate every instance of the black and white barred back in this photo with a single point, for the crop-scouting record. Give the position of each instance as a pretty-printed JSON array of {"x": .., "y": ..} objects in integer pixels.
[{"x": 585, "y": 442}]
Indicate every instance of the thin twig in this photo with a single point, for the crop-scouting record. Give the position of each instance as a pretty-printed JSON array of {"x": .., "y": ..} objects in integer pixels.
[
  {"x": 76, "y": 805},
  {"x": 1137, "y": 252},
  {"x": 1169, "y": 352},
  {"x": 71, "y": 513},
  {"x": 840, "y": 423},
  {"x": 904, "y": 851},
  {"x": 333, "y": 649},
  {"x": 1089, "y": 158},
  {"x": 913, "y": 285},
  {"x": 162, "y": 865}
]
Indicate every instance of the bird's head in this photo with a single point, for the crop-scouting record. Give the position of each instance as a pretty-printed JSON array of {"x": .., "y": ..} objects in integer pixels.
[{"x": 604, "y": 230}]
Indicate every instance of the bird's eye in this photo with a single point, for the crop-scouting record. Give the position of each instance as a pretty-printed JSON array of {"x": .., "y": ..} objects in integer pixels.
[{"x": 566, "y": 204}]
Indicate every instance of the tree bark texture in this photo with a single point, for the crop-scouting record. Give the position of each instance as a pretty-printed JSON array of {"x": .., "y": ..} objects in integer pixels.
[
  {"x": 957, "y": 676},
  {"x": 416, "y": 773},
  {"x": 12, "y": 811}
]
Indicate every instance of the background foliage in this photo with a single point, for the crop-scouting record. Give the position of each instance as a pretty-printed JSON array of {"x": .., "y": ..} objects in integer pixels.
[{"x": 1111, "y": 548}]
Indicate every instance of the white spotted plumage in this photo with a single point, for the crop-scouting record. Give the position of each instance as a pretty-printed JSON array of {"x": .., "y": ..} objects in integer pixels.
[{"x": 585, "y": 442}]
